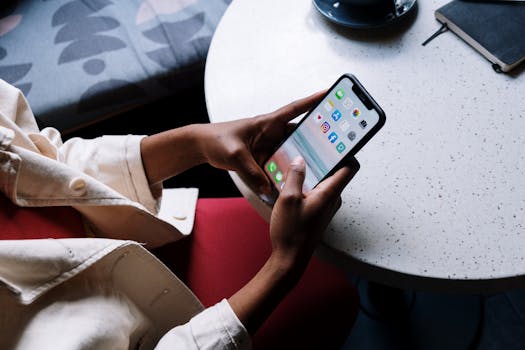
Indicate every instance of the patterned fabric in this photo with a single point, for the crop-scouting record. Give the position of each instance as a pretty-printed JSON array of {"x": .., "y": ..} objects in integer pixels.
[{"x": 79, "y": 60}]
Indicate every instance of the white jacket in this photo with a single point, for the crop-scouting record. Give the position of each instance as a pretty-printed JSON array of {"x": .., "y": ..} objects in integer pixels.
[{"x": 96, "y": 293}]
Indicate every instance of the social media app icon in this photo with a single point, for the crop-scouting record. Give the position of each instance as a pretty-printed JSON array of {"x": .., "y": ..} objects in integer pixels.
[
  {"x": 328, "y": 105},
  {"x": 351, "y": 135},
  {"x": 344, "y": 125},
  {"x": 356, "y": 112},
  {"x": 318, "y": 118},
  {"x": 278, "y": 177},
  {"x": 272, "y": 167},
  {"x": 347, "y": 103},
  {"x": 340, "y": 94},
  {"x": 363, "y": 123},
  {"x": 325, "y": 127},
  {"x": 340, "y": 147},
  {"x": 332, "y": 137},
  {"x": 336, "y": 115}
]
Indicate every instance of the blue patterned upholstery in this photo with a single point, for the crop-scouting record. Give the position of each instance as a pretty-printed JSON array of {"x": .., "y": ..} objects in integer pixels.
[{"x": 80, "y": 60}]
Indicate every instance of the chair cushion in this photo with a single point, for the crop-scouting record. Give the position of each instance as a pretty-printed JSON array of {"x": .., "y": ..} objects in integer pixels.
[
  {"x": 229, "y": 244},
  {"x": 38, "y": 222},
  {"x": 78, "y": 61}
]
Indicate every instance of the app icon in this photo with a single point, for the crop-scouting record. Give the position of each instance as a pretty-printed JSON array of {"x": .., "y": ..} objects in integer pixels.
[
  {"x": 332, "y": 137},
  {"x": 325, "y": 127},
  {"x": 318, "y": 118},
  {"x": 347, "y": 103},
  {"x": 363, "y": 123},
  {"x": 340, "y": 147},
  {"x": 340, "y": 94},
  {"x": 344, "y": 125},
  {"x": 328, "y": 105},
  {"x": 278, "y": 177},
  {"x": 272, "y": 167},
  {"x": 356, "y": 112},
  {"x": 336, "y": 115},
  {"x": 351, "y": 135}
]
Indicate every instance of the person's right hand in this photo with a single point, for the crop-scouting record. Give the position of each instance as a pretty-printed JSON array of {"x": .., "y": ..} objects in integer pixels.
[
  {"x": 298, "y": 220},
  {"x": 297, "y": 223}
]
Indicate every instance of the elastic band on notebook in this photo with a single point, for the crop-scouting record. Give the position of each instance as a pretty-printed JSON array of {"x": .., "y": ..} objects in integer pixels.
[{"x": 443, "y": 29}]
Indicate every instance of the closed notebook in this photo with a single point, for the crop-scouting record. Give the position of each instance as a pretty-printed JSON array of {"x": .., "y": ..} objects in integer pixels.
[{"x": 494, "y": 28}]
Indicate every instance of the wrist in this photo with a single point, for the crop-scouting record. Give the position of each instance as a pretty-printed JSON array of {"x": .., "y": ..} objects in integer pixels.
[
  {"x": 254, "y": 302},
  {"x": 171, "y": 152},
  {"x": 286, "y": 268},
  {"x": 201, "y": 135},
  {"x": 196, "y": 136}
]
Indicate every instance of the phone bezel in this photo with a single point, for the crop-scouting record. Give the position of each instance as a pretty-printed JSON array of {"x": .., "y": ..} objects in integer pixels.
[{"x": 371, "y": 132}]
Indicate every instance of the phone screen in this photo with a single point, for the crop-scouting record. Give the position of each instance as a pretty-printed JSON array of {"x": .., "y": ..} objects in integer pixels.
[{"x": 325, "y": 136}]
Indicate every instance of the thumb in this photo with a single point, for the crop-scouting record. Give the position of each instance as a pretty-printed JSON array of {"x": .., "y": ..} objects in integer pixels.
[{"x": 293, "y": 186}]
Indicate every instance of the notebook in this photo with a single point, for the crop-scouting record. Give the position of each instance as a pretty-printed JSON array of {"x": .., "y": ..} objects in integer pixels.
[{"x": 494, "y": 28}]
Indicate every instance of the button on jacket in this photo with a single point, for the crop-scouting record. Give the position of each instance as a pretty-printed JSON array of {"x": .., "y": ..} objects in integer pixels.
[{"x": 105, "y": 292}]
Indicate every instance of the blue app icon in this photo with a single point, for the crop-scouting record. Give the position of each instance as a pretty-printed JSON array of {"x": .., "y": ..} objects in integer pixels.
[
  {"x": 336, "y": 115},
  {"x": 332, "y": 137}
]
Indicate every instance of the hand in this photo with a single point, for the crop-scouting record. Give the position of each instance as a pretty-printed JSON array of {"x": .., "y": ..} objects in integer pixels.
[
  {"x": 298, "y": 220},
  {"x": 295, "y": 229},
  {"x": 239, "y": 145},
  {"x": 242, "y": 145}
]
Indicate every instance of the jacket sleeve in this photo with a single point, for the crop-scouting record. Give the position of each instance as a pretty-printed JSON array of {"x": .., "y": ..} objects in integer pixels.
[
  {"x": 217, "y": 327},
  {"x": 115, "y": 161}
]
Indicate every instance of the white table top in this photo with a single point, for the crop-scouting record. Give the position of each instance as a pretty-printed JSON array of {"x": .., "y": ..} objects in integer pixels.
[{"x": 440, "y": 194}]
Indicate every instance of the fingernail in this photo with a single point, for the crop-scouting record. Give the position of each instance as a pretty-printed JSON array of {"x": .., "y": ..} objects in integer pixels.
[
  {"x": 267, "y": 199},
  {"x": 297, "y": 162}
]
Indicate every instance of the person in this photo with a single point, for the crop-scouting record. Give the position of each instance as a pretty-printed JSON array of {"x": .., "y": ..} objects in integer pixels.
[{"x": 95, "y": 286}]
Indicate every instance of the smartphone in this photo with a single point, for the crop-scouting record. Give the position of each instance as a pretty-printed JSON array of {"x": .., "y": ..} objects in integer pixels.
[{"x": 345, "y": 119}]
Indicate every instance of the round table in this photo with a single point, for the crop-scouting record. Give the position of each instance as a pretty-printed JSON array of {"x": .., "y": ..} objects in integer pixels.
[{"x": 439, "y": 201}]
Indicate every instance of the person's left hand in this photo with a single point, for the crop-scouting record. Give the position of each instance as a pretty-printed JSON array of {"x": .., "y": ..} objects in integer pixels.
[{"x": 242, "y": 145}]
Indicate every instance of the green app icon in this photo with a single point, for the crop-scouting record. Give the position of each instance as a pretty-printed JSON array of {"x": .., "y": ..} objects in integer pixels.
[
  {"x": 340, "y": 147},
  {"x": 278, "y": 177},
  {"x": 272, "y": 167},
  {"x": 340, "y": 94}
]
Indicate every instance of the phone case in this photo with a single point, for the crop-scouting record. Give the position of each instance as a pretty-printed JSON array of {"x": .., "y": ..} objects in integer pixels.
[{"x": 370, "y": 104}]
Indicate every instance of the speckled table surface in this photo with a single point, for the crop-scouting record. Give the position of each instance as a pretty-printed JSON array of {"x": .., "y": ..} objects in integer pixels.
[{"x": 440, "y": 197}]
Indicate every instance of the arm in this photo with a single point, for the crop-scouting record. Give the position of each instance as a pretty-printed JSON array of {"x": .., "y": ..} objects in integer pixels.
[
  {"x": 297, "y": 221},
  {"x": 296, "y": 226},
  {"x": 171, "y": 152},
  {"x": 239, "y": 145}
]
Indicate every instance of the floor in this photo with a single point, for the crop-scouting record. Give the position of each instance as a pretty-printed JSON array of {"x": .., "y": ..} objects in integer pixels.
[
  {"x": 410, "y": 320},
  {"x": 441, "y": 321}
]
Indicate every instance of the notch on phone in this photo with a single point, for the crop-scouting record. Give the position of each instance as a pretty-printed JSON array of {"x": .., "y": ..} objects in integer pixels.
[{"x": 362, "y": 96}]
